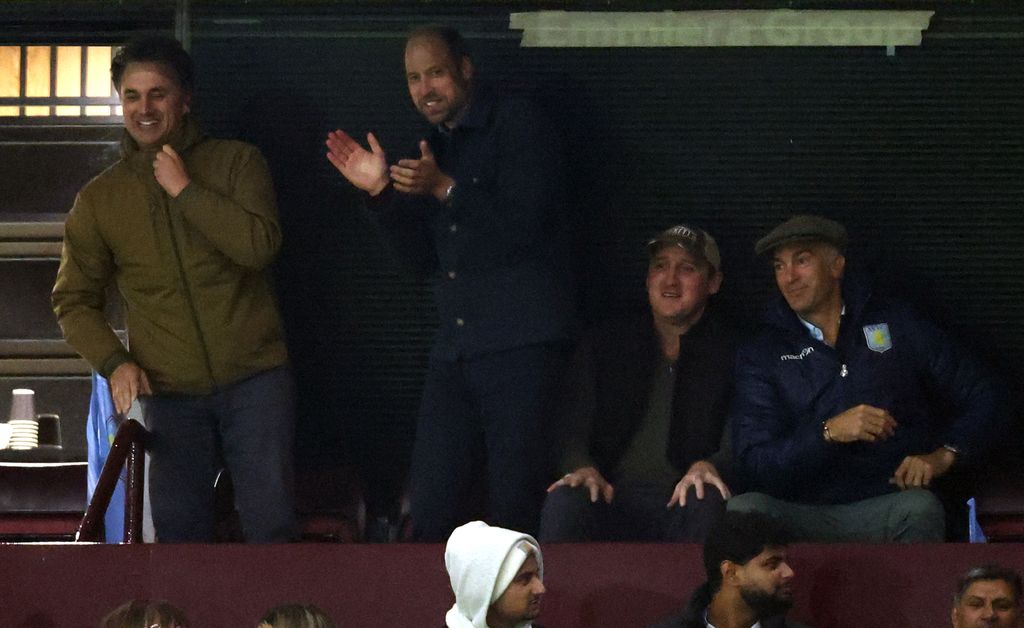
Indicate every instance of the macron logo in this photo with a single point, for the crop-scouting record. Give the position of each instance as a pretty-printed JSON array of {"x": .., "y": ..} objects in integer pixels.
[{"x": 803, "y": 354}]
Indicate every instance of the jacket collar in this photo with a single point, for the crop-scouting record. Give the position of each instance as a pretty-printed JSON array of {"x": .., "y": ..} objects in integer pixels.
[
  {"x": 704, "y": 327},
  {"x": 481, "y": 101},
  {"x": 184, "y": 137},
  {"x": 856, "y": 294}
]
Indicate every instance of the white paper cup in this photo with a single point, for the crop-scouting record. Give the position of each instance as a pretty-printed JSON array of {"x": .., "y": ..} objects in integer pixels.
[{"x": 23, "y": 404}]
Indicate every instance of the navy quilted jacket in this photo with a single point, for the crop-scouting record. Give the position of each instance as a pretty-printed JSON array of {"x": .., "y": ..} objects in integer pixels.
[{"x": 788, "y": 383}]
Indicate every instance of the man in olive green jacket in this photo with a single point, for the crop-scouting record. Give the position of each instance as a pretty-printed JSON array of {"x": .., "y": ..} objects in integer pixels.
[{"x": 186, "y": 225}]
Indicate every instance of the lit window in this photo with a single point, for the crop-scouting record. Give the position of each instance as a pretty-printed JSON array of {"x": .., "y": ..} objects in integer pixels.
[{"x": 57, "y": 81}]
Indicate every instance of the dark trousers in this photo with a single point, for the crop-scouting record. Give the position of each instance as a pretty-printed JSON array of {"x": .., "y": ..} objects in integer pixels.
[
  {"x": 250, "y": 425},
  {"x": 637, "y": 513},
  {"x": 488, "y": 412}
]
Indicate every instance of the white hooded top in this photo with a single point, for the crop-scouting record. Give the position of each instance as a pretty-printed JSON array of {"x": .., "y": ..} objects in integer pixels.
[{"x": 482, "y": 560}]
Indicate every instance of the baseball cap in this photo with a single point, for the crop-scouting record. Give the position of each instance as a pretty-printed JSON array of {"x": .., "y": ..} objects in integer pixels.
[{"x": 696, "y": 241}]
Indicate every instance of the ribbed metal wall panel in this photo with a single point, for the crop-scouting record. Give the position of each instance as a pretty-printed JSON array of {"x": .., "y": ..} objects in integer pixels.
[{"x": 921, "y": 154}]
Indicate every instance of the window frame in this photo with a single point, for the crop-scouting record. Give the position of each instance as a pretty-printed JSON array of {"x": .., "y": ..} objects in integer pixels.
[{"x": 53, "y": 102}]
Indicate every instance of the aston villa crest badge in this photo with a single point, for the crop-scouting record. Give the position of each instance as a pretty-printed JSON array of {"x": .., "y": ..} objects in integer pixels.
[{"x": 878, "y": 337}]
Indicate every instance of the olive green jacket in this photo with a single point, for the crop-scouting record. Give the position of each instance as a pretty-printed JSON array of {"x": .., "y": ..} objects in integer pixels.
[{"x": 192, "y": 271}]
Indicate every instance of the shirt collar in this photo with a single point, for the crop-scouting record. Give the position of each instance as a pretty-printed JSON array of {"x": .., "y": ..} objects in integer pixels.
[{"x": 814, "y": 330}]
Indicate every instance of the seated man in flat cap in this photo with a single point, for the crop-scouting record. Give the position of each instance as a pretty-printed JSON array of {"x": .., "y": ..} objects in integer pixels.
[
  {"x": 835, "y": 422},
  {"x": 645, "y": 403}
]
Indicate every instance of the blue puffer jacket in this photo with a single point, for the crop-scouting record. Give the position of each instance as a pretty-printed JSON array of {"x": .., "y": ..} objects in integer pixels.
[{"x": 788, "y": 383}]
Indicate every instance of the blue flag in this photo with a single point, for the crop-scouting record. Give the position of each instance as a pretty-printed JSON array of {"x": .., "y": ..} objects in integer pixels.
[
  {"x": 100, "y": 431},
  {"x": 974, "y": 531}
]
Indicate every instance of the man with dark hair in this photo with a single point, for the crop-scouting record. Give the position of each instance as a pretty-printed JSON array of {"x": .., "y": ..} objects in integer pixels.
[
  {"x": 186, "y": 226},
  {"x": 749, "y": 582},
  {"x": 988, "y": 596},
  {"x": 645, "y": 403},
  {"x": 834, "y": 421},
  {"x": 163, "y": 50},
  {"x": 480, "y": 210}
]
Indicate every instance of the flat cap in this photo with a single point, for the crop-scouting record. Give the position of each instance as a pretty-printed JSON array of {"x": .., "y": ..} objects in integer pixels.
[{"x": 803, "y": 227}]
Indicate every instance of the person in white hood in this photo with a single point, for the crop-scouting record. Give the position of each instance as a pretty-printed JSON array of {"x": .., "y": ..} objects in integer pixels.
[{"x": 497, "y": 576}]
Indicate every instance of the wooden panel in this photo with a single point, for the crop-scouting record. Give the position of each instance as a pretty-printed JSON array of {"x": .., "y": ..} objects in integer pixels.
[
  {"x": 25, "y": 286},
  {"x": 44, "y": 366},
  {"x": 42, "y": 168},
  {"x": 31, "y": 226},
  {"x": 35, "y": 348},
  {"x": 30, "y": 249},
  {"x": 25, "y": 299},
  {"x": 39, "y": 488},
  {"x": 369, "y": 586}
]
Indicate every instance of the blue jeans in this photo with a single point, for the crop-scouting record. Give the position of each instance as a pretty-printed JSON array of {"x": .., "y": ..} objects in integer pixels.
[
  {"x": 250, "y": 425},
  {"x": 494, "y": 408}
]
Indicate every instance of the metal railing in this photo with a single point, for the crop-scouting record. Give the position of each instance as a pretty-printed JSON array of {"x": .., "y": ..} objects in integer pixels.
[{"x": 127, "y": 450}]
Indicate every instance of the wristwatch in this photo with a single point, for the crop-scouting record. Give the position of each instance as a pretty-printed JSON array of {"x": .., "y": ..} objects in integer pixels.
[{"x": 448, "y": 194}]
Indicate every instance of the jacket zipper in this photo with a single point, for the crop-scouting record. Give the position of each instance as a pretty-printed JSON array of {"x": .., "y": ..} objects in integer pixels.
[{"x": 188, "y": 292}]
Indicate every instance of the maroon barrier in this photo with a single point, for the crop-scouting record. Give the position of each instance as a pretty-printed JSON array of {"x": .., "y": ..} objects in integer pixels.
[{"x": 375, "y": 586}]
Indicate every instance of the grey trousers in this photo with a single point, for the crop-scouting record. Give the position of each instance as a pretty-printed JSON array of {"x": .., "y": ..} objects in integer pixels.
[{"x": 910, "y": 516}]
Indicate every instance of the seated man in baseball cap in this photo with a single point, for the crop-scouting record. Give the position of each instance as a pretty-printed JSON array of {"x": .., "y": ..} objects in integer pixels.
[{"x": 644, "y": 406}]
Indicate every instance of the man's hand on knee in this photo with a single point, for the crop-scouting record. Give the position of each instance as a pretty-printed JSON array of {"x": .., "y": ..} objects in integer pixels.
[
  {"x": 919, "y": 471},
  {"x": 591, "y": 479},
  {"x": 700, "y": 473}
]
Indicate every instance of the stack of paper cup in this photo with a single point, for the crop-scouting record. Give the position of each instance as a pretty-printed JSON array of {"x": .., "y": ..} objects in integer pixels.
[
  {"x": 24, "y": 427},
  {"x": 24, "y": 434}
]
